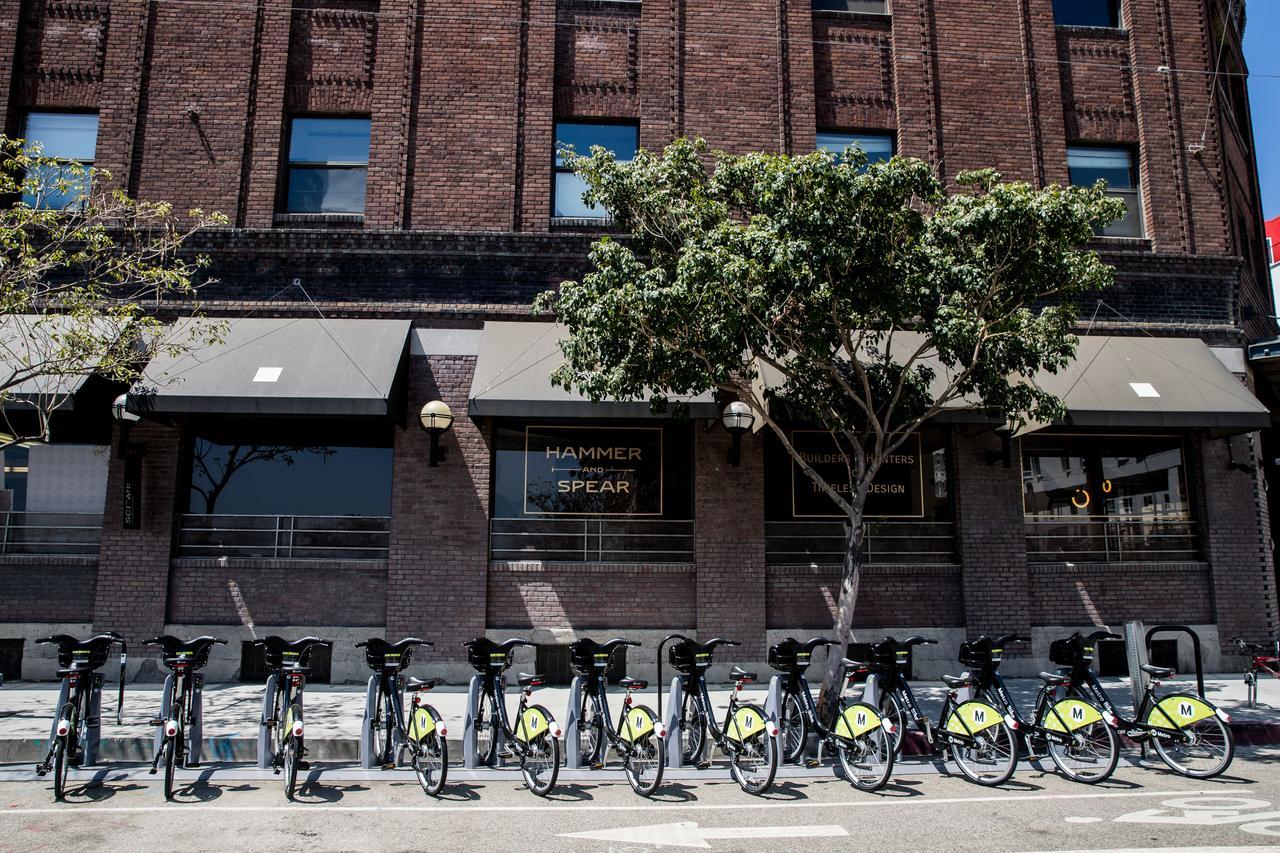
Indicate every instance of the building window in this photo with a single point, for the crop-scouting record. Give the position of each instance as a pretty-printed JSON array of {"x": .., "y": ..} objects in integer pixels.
[
  {"x": 328, "y": 164},
  {"x": 869, "y": 7},
  {"x": 1089, "y": 164},
  {"x": 620, "y": 139},
  {"x": 1094, "y": 498},
  {"x": 878, "y": 147},
  {"x": 1087, "y": 13},
  {"x": 69, "y": 137}
]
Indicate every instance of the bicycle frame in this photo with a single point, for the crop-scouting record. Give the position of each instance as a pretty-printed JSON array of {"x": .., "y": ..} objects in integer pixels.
[
  {"x": 391, "y": 701},
  {"x": 1134, "y": 729},
  {"x": 495, "y": 685},
  {"x": 598, "y": 693},
  {"x": 993, "y": 683},
  {"x": 895, "y": 683},
  {"x": 697, "y": 686}
]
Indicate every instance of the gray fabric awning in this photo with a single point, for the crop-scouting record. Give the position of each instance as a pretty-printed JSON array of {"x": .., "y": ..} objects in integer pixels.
[
  {"x": 512, "y": 379},
  {"x": 1153, "y": 382},
  {"x": 282, "y": 366},
  {"x": 28, "y": 340}
]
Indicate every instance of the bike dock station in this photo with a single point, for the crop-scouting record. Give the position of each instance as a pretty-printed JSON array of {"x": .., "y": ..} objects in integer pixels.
[
  {"x": 92, "y": 741},
  {"x": 195, "y": 730}
]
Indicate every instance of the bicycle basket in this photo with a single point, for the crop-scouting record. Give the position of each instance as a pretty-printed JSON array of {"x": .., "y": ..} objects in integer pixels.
[
  {"x": 586, "y": 658},
  {"x": 782, "y": 656},
  {"x": 688, "y": 657},
  {"x": 79, "y": 655},
  {"x": 886, "y": 655},
  {"x": 1070, "y": 651},
  {"x": 979, "y": 653},
  {"x": 486, "y": 656}
]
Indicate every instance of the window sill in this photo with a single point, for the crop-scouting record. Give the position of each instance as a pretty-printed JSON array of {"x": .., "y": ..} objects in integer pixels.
[
  {"x": 582, "y": 223},
  {"x": 1121, "y": 244},
  {"x": 319, "y": 219},
  {"x": 1084, "y": 29},
  {"x": 846, "y": 15},
  {"x": 621, "y": 5}
]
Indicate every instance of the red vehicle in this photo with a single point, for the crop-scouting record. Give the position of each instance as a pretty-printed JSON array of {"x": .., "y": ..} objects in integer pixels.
[{"x": 1260, "y": 661}]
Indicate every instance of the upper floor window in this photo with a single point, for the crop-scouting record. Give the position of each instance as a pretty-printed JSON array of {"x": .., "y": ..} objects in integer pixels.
[
  {"x": 620, "y": 139},
  {"x": 877, "y": 146},
  {"x": 1087, "y": 13},
  {"x": 873, "y": 7},
  {"x": 70, "y": 137},
  {"x": 1086, "y": 164},
  {"x": 328, "y": 164}
]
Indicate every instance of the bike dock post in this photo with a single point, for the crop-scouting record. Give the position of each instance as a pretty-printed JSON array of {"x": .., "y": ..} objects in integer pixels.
[
  {"x": 470, "y": 758},
  {"x": 93, "y": 725},
  {"x": 166, "y": 702},
  {"x": 367, "y": 737},
  {"x": 64, "y": 694},
  {"x": 572, "y": 745},
  {"x": 773, "y": 713},
  {"x": 675, "y": 745},
  {"x": 195, "y": 737},
  {"x": 265, "y": 731},
  {"x": 1195, "y": 648},
  {"x": 1135, "y": 649}
]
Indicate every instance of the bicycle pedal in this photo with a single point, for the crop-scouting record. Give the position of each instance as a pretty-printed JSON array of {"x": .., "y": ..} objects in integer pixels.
[
  {"x": 40, "y": 771},
  {"x": 275, "y": 771},
  {"x": 812, "y": 763},
  {"x": 596, "y": 765},
  {"x": 390, "y": 765},
  {"x": 156, "y": 721},
  {"x": 703, "y": 765},
  {"x": 304, "y": 765},
  {"x": 152, "y": 771}
]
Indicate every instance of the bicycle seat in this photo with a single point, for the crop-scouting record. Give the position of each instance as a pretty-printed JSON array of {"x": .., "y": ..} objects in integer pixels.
[
  {"x": 420, "y": 683},
  {"x": 1055, "y": 679},
  {"x": 741, "y": 675},
  {"x": 955, "y": 681},
  {"x": 524, "y": 679},
  {"x": 1157, "y": 671},
  {"x": 633, "y": 683}
]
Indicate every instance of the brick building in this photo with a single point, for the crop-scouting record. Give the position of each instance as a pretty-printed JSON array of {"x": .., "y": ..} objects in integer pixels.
[{"x": 389, "y": 165}]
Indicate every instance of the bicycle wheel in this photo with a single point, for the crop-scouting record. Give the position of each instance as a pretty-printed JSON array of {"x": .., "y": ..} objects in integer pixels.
[
  {"x": 430, "y": 753},
  {"x": 590, "y": 733},
  {"x": 1091, "y": 756},
  {"x": 991, "y": 757},
  {"x": 486, "y": 728},
  {"x": 693, "y": 729},
  {"x": 170, "y": 759},
  {"x": 541, "y": 764},
  {"x": 292, "y": 755},
  {"x": 60, "y": 764},
  {"x": 754, "y": 759},
  {"x": 646, "y": 755},
  {"x": 795, "y": 728},
  {"x": 1205, "y": 751},
  {"x": 891, "y": 709},
  {"x": 867, "y": 760}
]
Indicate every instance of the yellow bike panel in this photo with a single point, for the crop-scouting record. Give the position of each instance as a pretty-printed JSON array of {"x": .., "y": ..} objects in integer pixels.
[
  {"x": 637, "y": 724},
  {"x": 1070, "y": 715},
  {"x": 289, "y": 719},
  {"x": 533, "y": 724},
  {"x": 972, "y": 717},
  {"x": 1176, "y": 712},
  {"x": 745, "y": 723},
  {"x": 421, "y": 724},
  {"x": 856, "y": 721}
]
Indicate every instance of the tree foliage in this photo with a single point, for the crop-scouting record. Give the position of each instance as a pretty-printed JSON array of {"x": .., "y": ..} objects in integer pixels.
[
  {"x": 872, "y": 296},
  {"x": 85, "y": 272}
]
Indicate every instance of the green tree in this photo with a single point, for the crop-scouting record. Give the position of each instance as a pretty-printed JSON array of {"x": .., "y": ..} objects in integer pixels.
[
  {"x": 85, "y": 270},
  {"x": 865, "y": 298}
]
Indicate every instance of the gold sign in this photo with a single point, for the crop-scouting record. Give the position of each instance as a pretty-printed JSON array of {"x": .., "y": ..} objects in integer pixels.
[
  {"x": 593, "y": 470},
  {"x": 897, "y": 491}
]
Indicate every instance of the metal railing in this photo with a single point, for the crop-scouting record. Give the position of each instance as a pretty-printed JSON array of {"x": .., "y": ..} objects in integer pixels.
[
  {"x": 288, "y": 537},
  {"x": 59, "y": 534},
  {"x": 789, "y": 543},
  {"x": 591, "y": 540},
  {"x": 1098, "y": 540}
]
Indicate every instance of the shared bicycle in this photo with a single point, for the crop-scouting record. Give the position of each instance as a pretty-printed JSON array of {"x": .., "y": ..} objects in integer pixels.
[
  {"x": 78, "y": 662},
  {"x": 534, "y": 739},
  {"x": 178, "y": 712},
  {"x": 860, "y": 737},
  {"x": 423, "y": 735},
  {"x": 747, "y": 736},
  {"x": 639, "y": 739},
  {"x": 289, "y": 663},
  {"x": 1262, "y": 661}
]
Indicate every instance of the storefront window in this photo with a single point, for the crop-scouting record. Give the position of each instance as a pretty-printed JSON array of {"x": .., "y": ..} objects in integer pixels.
[
  {"x": 1090, "y": 497},
  {"x": 55, "y": 478}
]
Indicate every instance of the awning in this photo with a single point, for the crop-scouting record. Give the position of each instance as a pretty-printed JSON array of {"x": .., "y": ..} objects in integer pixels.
[
  {"x": 282, "y": 366},
  {"x": 513, "y": 379},
  {"x": 1167, "y": 383},
  {"x": 33, "y": 339}
]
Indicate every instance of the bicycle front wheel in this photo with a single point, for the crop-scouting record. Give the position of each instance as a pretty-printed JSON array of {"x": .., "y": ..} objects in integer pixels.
[
  {"x": 990, "y": 756},
  {"x": 1205, "y": 749},
  {"x": 693, "y": 729},
  {"x": 795, "y": 728},
  {"x": 590, "y": 733},
  {"x": 891, "y": 709},
  {"x": 754, "y": 758},
  {"x": 486, "y": 728},
  {"x": 292, "y": 755},
  {"x": 1091, "y": 756},
  {"x": 867, "y": 760},
  {"x": 541, "y": 764},
  {"x": 430, "y": 752},
  {"x": 646, "y": 755},
  {"x": 60, "y": 764},
  {"x": 170, "y": 760}
]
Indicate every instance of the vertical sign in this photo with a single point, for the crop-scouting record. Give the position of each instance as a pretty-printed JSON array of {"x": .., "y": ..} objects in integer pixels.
[
  {"x": 132, "y": 494},
  {"x": 897, "y": 492},
  {"x": 572, "y": 470}
]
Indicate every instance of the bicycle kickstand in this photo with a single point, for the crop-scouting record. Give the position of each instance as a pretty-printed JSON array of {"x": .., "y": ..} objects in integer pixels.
[
  {"x": 155, "y": 762},
  {"x": 46, "y": 765}
]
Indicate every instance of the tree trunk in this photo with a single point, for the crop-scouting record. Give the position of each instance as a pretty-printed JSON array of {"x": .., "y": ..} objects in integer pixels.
[{"x": 850, "y": 577}]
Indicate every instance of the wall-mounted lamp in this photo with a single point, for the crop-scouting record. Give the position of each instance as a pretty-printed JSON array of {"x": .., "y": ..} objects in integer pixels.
[
  {"x": 737, "y": 419},
  {"x": 1005, "y": 453},
  {"x": 121, "y": 414},
  {"x": 437, "y": 419},
  {"x": 131, "y": 452}
]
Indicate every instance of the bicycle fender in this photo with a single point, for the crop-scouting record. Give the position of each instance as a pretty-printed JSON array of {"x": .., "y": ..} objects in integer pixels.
[
  {"x": 972, "y": 717},
  {"x": 1070, "y": 715},
  {"x": 856, "y": 720},
  {"x": 747, "y": 721},
  {"x": 421, "y": 723},
  {"x": 1179, "y": 710},
  {"x": 639, "y": 722},
  {"x": 536, "y": 722}
]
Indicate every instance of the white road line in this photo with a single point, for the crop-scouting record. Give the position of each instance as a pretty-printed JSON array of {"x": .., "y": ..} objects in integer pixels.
[{"x": 299, "y": 807}]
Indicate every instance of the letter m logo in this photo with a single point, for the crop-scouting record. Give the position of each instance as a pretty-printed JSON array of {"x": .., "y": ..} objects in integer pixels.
[{"x": 1185, "y": 709}]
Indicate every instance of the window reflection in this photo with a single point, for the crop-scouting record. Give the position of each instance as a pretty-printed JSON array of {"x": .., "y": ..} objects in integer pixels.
[{"x": 1112, "y": 476}]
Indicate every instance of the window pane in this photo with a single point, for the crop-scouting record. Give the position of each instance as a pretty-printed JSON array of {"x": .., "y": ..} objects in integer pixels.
[
  {"x": 1054, "y": 482},
  {"x": 71, "y": 136},
  {"x": 877, "y": 146},
  {"x": 569, "y": 203},
  {"x": 621, "y": 139},
  {"x": 281, "y": 479},
  {"x": 1145, "y": 479},
  {"x": 45, "y": 180},
  {"x": 1114, "y": 165},
  {"x": 326, "y": 190},
  {"x": 873, "y": 6},
  {"x": 1130, "y": 225},
  {"x": 1113, "y": 476},
  {"x": 329, "y": 140},
  {"x": 1087, "y": 13}
]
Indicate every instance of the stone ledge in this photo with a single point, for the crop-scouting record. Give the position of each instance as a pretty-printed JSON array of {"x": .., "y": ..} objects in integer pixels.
[
  {"x": 1129, "y": 567},
  {"x": 891, "y": 569},
  {"x": 534, "y": 566},
  {"x": 47, "y": 560},
  {"x": 244, "y": 563}
]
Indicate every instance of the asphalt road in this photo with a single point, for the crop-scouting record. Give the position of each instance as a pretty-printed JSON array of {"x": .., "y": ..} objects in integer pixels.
[{"x": 1140, "y": 808}]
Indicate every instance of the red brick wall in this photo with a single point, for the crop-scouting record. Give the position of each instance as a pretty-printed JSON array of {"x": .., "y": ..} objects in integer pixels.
[
  {"x": 888, "y": 596},
  {"x": 284, "y": 592},
  {"x": 1113, "y": 593},
  {"x": 591, "y": 595},
  {"x": 47, "y": 589}
]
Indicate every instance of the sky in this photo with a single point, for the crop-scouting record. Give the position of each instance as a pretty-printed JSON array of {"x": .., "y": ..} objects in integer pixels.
[{"x": 1262, "y": 29}]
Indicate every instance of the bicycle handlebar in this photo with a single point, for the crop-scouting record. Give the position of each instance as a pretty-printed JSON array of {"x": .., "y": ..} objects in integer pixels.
[
  {"x": 720, "y": 641},
  {"x": 1103, "y": 635},
  {"x": 918, "y": 641},
  {"x": 1011, "y": 638},
  {"x": 618, "y": 641}
]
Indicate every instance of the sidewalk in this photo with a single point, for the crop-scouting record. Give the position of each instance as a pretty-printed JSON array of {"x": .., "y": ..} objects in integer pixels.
[{"x": 334, "y": 713}]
